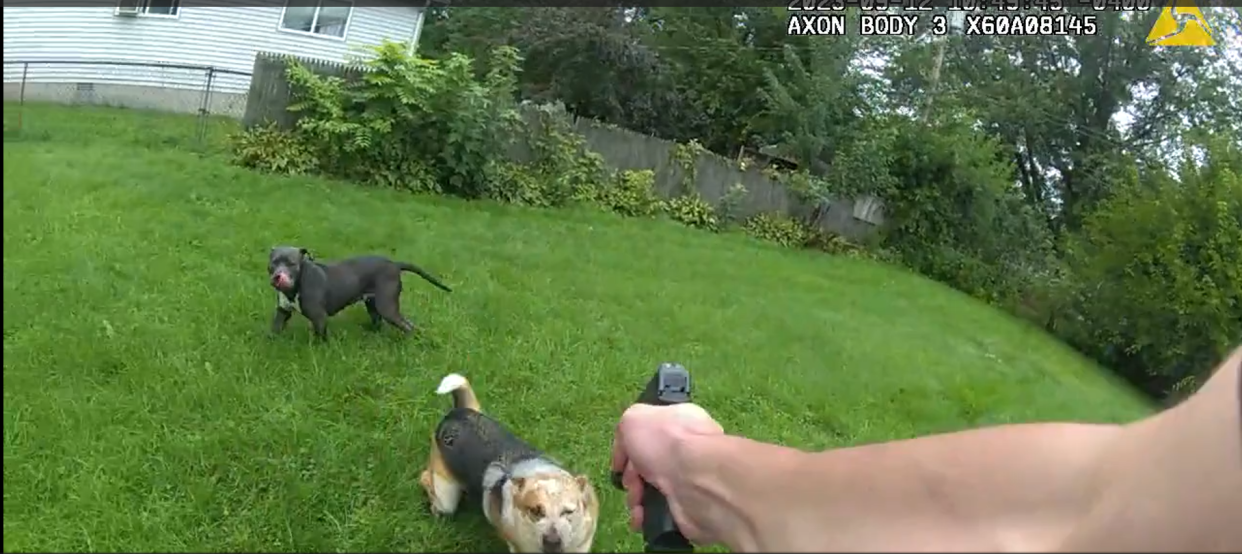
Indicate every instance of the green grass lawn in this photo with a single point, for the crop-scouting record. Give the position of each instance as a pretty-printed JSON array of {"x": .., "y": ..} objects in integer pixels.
[{"x": 145, "y": 407}]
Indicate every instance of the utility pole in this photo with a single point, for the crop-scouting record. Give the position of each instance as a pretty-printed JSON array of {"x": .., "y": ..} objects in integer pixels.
[
  {"x": 933, "y": 79},
  {"x": 418, "y": 26}
]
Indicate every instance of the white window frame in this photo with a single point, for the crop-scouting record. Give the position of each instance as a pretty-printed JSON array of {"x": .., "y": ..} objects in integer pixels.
[
  {"x": 280, "y": 25},
  {"x": 144, "y": 10}
]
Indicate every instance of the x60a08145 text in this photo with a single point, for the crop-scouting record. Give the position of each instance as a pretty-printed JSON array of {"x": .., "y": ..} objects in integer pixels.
[{"x": 1056, "y": 24}]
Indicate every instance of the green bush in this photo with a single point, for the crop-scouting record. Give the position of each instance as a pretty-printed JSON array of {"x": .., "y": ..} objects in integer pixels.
[
  {"x": 832, "y": 243},
  {"x": 633, "y": 195},
  {"x": 1158, "y": 269},
  {"x": 268, "y": 149},
  {"x": 570, "y": 172},
  {"x": 519, "y": 184},
  {"x": 685, "y": 156},
  {"x": 410, "y": 123},
  {"x": 692, "y": 211},
  {"x": 423, "y": 125},
  {"x": 953, "y": 214},
  {"x": 777, "y": 228},
  {"x": 731, "y": 204}
]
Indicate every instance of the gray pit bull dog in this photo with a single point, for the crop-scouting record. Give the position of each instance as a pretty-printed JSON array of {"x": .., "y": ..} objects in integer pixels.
[{"x": 320, "y": 290}]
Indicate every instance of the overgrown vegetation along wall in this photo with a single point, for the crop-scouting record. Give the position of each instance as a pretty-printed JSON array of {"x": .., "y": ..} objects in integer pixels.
[
  {"x": 1151, "y": 285},
  {"x": 709, "y": 175}
]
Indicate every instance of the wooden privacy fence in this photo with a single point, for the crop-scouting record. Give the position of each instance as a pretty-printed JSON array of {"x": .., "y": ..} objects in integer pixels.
[
  {"x": 621, "y": 149},
  {"x": 270, "y": 93}
]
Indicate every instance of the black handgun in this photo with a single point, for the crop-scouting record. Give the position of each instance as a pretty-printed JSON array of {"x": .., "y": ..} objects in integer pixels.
[{"x": 669, "y": 385}]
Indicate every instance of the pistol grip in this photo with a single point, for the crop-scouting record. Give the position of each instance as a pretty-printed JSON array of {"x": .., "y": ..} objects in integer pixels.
[{"x": 660, "y": 532}]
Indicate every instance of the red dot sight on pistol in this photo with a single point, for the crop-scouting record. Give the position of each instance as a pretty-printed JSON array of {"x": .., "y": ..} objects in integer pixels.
[{"x": 669, "y": 385}]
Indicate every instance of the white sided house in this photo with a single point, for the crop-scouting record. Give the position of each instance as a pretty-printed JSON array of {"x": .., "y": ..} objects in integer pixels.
[{"x": 83, "y": 47}]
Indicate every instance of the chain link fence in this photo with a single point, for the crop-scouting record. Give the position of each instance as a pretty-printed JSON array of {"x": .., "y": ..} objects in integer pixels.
[{"x": 37, "y": 91}]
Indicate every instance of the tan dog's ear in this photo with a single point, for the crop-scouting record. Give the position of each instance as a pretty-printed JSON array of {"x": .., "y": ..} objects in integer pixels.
[
  {"x": 589, "y": 500},
  {"x": 518, "y": 483}
]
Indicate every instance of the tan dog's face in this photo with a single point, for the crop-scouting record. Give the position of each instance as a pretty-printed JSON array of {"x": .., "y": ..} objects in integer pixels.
[{"x": 553, "y": 513}]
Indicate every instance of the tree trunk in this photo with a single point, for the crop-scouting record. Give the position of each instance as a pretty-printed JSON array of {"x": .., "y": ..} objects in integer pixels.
[{"x": 933, "y": 79}]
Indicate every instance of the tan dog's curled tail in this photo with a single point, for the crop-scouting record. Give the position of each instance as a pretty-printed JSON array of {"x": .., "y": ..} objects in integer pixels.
[{"x": 463, "y": 395}]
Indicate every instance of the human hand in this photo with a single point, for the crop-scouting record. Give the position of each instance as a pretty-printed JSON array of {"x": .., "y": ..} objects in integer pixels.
[{"x": 648, "y": 446}]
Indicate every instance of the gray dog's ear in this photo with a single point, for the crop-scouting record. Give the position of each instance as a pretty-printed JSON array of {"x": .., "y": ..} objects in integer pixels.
[{"x": 306, "y": 255}]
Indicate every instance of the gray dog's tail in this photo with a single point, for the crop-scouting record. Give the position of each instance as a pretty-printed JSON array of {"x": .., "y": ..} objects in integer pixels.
[{"x": 406, "y": 266}]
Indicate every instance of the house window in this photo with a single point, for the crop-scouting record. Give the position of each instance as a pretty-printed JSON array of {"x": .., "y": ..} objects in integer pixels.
[
  {"x": 167, "y": 8},
  {"x": 327, "y": 18}
]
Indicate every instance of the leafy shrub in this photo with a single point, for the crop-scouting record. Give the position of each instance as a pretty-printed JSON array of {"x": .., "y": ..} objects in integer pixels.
[
  {"x": 518, "y": 184},
  {"x": 731, "y": 204},
  {"x": 777, "y": 228},
  {"x": 437, "y": 126},
  {"x": 268, "y": 149},
  {"x": 832, "y": 243},
  {"x": 953, "y": 213},
  {"x": 571, "y": 172},
  {"x": 692, "y": 211},
  {"x": 411, "y": 123},
  {"x": 1159, "y": 282},
  {"x": 633, "y": 195},
  {"x": 863, "y": 163},
  {"x": 1047, "y": 298},
  {"x": 409, "y": 175},
  {"x": 878, "y": 254},
  {"x": 685, "y": 157}
]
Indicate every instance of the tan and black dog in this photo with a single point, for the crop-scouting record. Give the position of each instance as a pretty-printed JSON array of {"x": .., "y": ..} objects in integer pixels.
[{"x": 533, "y": 502}]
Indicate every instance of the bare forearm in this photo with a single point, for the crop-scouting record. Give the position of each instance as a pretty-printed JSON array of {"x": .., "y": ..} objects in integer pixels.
[
  {"x": 1010, "y": 487},
  {"x": 1174, "y": 482},
  {"x": 732, "y": 483},
  {"x": 1169, "y": 482}
]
